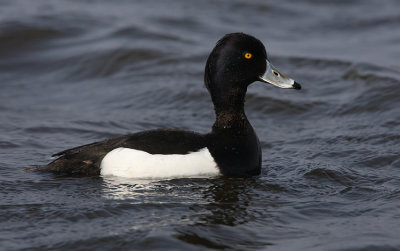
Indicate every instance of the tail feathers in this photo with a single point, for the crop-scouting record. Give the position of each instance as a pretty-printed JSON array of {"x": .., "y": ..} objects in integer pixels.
[{"x": 75, "y": 167}]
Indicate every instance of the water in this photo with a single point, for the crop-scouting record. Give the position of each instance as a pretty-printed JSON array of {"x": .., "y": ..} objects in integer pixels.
[{"x": 75, "y": 72}]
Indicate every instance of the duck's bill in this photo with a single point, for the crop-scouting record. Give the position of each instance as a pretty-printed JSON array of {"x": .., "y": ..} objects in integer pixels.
[{"x": 274, "y": 77}]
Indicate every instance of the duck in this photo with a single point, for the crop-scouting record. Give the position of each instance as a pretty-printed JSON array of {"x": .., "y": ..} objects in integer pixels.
[{"x": 231, "y": 148}]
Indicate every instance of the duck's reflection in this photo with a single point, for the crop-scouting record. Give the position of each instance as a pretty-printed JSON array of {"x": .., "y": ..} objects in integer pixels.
[
  {"x": 209, "y": 201},
  {"x": 117, "y": 188},
  {"x": 185, "y": 190},
  {"x": 209, "y": 212},
  {"x": 226, "y": 221},
  {"x": 228, "y": 200}
]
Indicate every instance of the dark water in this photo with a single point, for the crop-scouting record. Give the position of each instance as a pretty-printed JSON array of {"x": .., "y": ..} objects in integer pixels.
[{"x": 74, "y": 72}]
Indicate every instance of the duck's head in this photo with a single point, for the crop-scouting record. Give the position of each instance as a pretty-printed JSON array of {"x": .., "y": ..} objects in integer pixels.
[{"x": 237, "y": 61}]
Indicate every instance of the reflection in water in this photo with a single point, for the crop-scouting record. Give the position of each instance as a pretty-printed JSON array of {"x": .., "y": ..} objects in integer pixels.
[
  {"x": 224, "y": 199},
  {"x": 213, "y": 210},
  {"x": 228, "y": 200},
  {"x": 118, "y": 188},
  {"x": 223, "y": 218}
]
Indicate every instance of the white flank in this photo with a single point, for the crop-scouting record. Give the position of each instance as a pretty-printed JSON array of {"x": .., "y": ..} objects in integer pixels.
[{"x": 131, "y": 163}]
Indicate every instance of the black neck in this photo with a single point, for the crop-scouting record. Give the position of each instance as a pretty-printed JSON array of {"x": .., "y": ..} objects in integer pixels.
[
  {"x": 229, "y": 102},
  {"x": 230, "y": 120},
  {"x": 229, "y": 110}
]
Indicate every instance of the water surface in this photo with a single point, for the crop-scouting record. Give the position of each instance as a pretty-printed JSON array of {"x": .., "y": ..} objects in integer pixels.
[{"x": 75, "y": 72}]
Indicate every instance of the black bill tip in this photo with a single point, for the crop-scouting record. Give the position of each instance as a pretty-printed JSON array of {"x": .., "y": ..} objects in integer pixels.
[{"x": 296, "y": 86}]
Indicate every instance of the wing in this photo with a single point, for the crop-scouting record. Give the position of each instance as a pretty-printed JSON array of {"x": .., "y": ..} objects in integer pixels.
[{"x": 85, "y": 160}]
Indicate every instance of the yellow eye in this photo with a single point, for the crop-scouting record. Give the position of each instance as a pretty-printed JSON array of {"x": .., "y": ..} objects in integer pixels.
[{"x": 248, "y": 55}]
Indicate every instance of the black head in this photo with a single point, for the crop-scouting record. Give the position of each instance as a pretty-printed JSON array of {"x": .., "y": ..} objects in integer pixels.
[{"x": 237, "y": 61}]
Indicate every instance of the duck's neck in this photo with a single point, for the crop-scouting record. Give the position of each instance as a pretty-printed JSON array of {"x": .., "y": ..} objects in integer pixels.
[
  {"x": 230, "y": 120},
  {"x": 229, "y": 111},
  {"x": 228, "y": 96}
]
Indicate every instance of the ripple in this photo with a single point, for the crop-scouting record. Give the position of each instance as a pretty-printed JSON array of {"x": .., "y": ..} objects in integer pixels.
[
  {"x": 381, "y": 160},
  {"x": 269, "y": 105},
  {"x": 371, "y": 74},
  {"x": 337, "y": 176},
  {"x": 186, "y": 22},
  {"x": 20, "y": 37},
  {"x": 107, "y": 62},
  {"x": 142, "y": 34},
  {"x": 7, "y": 144}
]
